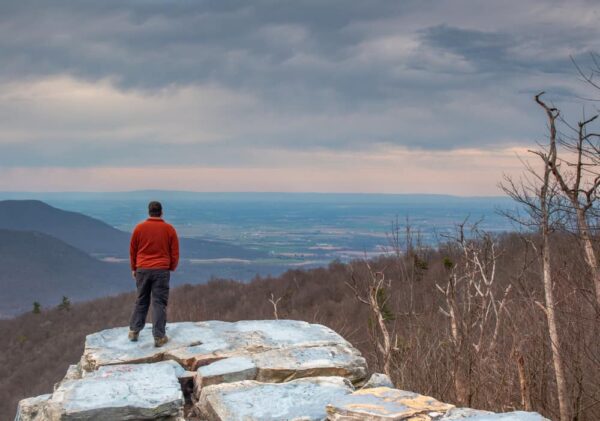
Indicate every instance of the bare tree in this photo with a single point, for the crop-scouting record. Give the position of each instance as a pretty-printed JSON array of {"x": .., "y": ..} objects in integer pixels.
[
  {"x": 406, "y": 245},
  {"x": 537, "y": 193},
  {"x": 373, "y": 291},
  {"x": 472, "y": 306},
  {"x": 274, "y": 302},
  {"x": 578, "y": 179}
]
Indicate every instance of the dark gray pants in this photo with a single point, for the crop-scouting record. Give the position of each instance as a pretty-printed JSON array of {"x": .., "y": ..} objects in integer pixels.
[{"x": 155, "y": 283}]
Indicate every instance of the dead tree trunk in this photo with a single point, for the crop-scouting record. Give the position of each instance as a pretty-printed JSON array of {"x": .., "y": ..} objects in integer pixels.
[
  {"x": 523, "y": 381},
  {"x": 557, "y": 359},
  {"x": 371, "y": 291},
  {"x": 539, "y": 197},
  {"x": 584, "y": 179}
]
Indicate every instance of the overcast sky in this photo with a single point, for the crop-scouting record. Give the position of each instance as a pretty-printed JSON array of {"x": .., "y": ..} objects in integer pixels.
[{"x": 354, "y": 96}]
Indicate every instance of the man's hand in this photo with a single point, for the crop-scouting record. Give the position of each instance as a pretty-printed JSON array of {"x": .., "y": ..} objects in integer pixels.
[{"x": 133, "y": 274}]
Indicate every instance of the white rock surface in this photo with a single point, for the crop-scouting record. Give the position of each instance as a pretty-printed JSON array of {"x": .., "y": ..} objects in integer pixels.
[
  {"x": 120, "y": 392},
  {"x": 227, "y": 370},
  {"x": 281, "y": 365},
  {"x": 112, "y": 346},
  {"x": 223, "y": 340},
  {"x": 302, "y": 399},
  {"x": 197, "y": 344},
  {"x": 285, "y": 364}
]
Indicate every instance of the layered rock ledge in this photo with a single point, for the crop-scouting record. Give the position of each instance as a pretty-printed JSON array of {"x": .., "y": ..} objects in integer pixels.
[{"x": 220, "y": 371}]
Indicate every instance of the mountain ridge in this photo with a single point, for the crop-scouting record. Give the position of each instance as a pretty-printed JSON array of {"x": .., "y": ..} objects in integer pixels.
[
  {"x": 39, "y": 267},
  {"x": 95, "y": 236}
]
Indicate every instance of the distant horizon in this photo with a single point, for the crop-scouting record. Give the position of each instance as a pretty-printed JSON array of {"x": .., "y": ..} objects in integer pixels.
[{"x": 257, "y": 192}]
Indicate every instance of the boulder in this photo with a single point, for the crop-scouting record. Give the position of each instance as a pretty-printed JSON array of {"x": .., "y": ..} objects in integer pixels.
[
  {"x": 120, "y": 392},
  {"x": 31, "y": 409},
  {"x": 378, "y": 380},
  {"x": 302, "y": 399}
]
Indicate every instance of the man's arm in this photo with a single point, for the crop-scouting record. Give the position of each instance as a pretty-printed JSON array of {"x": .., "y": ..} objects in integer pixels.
[
  {"x": 174, "y": 245},
  {"x": 133, "y": 249}
]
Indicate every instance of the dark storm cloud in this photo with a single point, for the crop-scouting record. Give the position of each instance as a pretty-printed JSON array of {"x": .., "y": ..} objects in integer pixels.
[
  {"x": 337, "y": 74},
  {"x": 494, "y": 52},
  {"x": 488, "y": 50},
  {"x": 149, "y": 44}
]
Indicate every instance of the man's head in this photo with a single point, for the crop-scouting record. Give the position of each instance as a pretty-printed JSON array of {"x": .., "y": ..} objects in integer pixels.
[{"x": 155, "y": 209}]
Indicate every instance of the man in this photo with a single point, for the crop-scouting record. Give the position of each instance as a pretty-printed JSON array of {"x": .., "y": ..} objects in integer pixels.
[{"x": 153, "y": 252}]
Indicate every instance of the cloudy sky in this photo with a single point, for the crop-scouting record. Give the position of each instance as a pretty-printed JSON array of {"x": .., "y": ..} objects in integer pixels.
[{"x": 337, "y": 95}]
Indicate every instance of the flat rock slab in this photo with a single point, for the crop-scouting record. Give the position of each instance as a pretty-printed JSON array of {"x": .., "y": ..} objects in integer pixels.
[
  {"x": 302, "y": 399},
  {"x": 385, "y": 404},
  {"x": 121, "y": 392},
  {"x": 285, "y": 364},
  {"x": 223, "y": 340},
  {"x": 111, "y": 346},
  {"x": 281, "y": 365},
  {"x": 196, "y": 344},
  {"x": 228, "y": 370}
]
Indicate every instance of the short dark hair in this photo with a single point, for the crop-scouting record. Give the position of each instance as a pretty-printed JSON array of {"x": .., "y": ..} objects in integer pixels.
[{"x": 154, "y": 209}]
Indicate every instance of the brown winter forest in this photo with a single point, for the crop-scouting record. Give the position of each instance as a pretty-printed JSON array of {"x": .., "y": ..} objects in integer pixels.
[
  {"x": 502, "y": 357},
  {"x": 497, "y": 322}
]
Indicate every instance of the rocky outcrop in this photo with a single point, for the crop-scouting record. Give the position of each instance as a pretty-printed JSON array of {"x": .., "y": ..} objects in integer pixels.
[{"x": 221, "y": 371}]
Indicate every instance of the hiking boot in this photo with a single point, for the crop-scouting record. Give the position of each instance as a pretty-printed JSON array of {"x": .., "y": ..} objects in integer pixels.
[
  {"x": 158, "y": 342},
  {"x": 133, "y": 336}
]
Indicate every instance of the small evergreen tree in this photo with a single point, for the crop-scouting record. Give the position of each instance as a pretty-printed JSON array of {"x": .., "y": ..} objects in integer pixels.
[
  {"x": 37, "y": 307},
  {"x": 65, "y": 304}
]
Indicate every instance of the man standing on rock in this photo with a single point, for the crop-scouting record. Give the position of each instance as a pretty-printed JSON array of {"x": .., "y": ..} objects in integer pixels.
[{"x": 153, "y": 252}]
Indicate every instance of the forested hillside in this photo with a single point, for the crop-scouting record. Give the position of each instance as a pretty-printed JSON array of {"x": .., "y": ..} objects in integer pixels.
[{"x": 497, "y": 356}]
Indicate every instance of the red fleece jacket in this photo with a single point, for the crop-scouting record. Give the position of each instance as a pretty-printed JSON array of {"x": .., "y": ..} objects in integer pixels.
[{"x": 154, "y": 245}]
